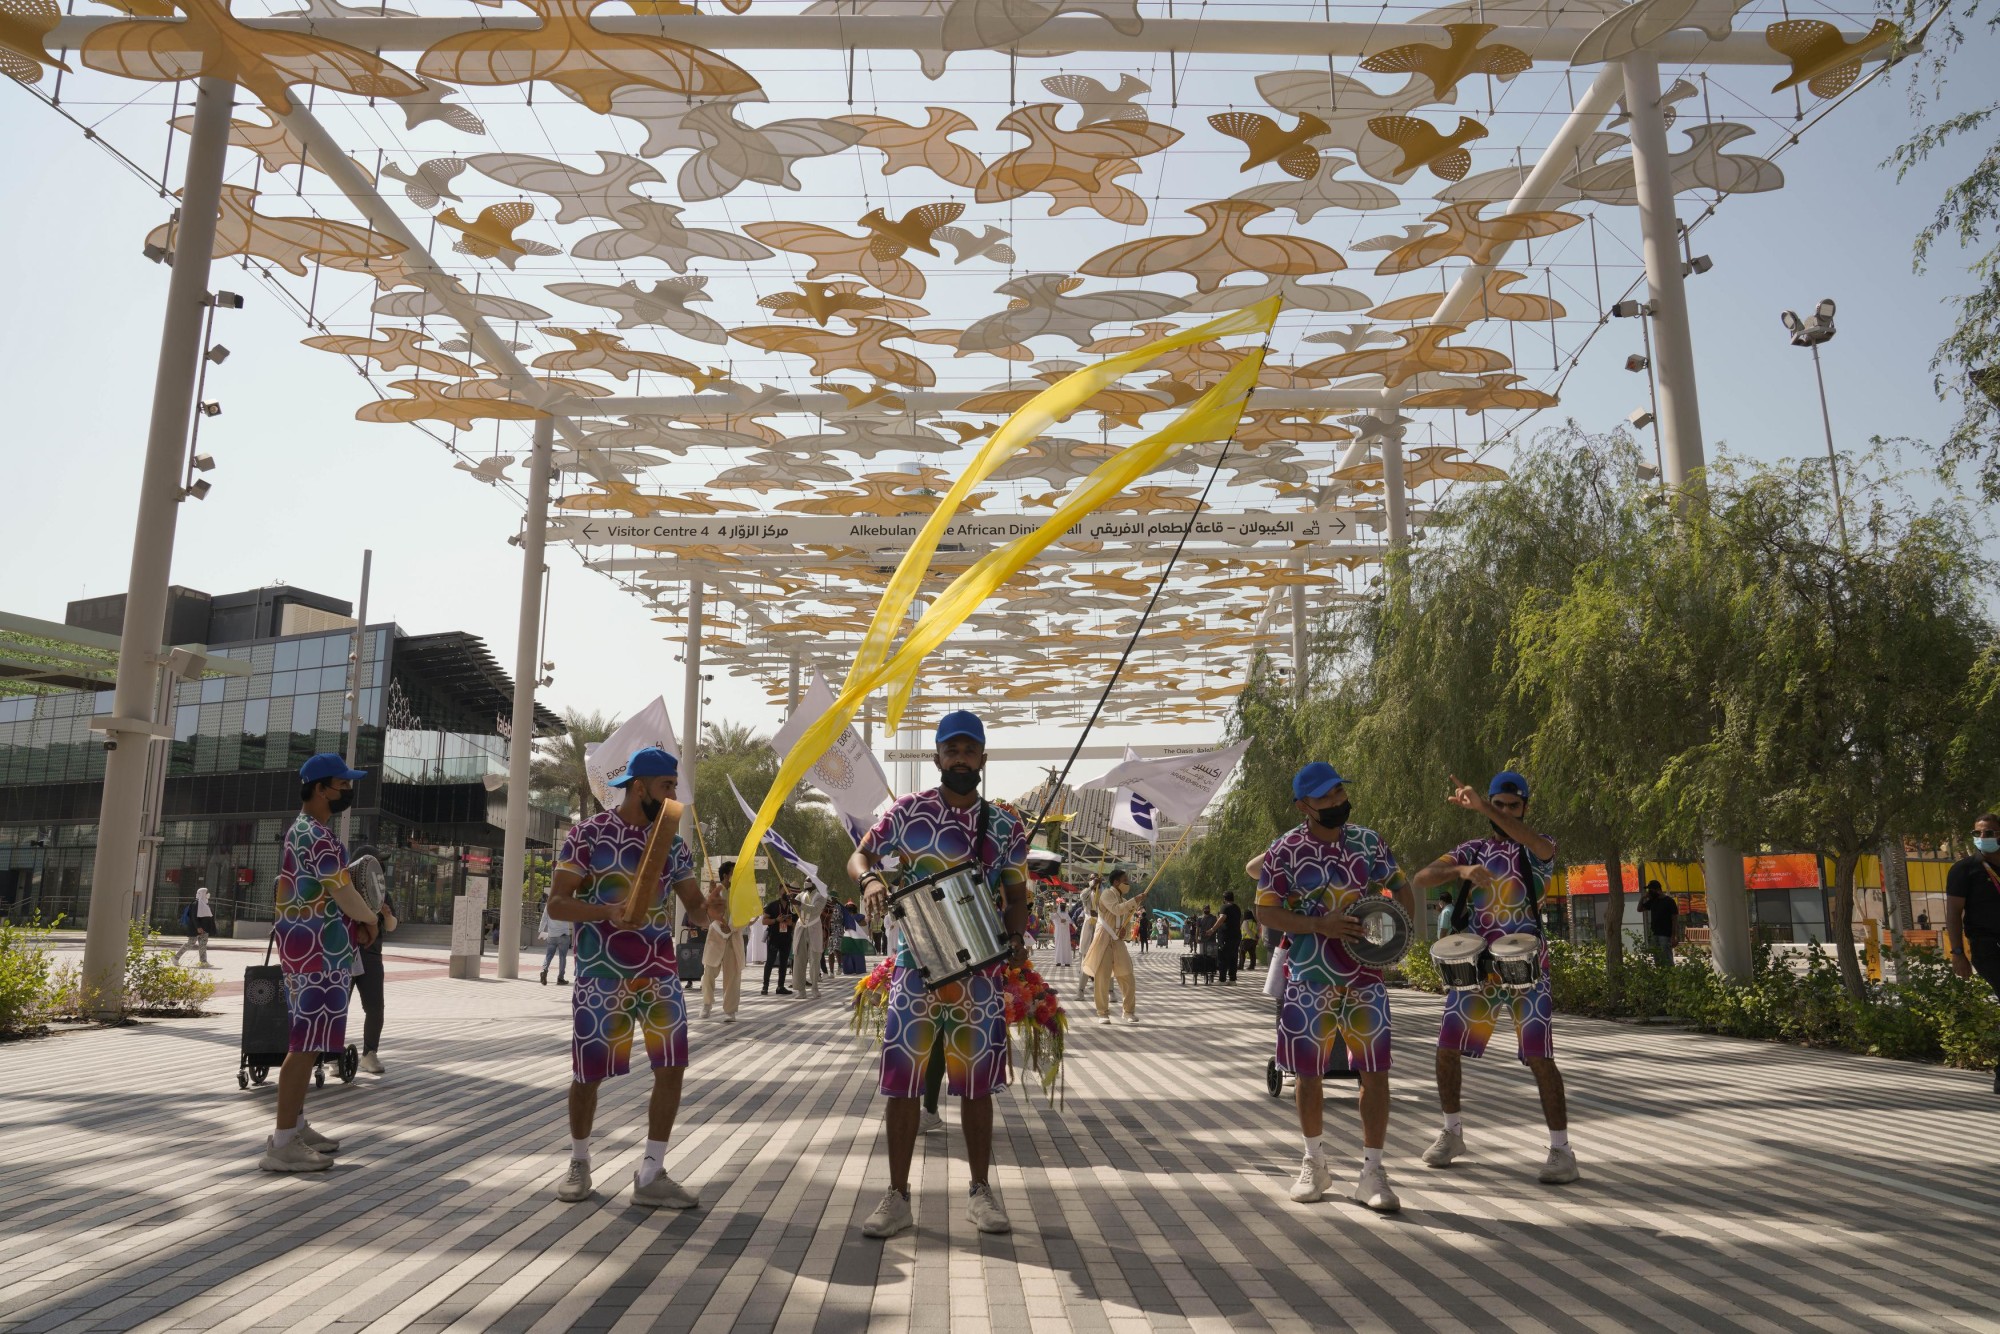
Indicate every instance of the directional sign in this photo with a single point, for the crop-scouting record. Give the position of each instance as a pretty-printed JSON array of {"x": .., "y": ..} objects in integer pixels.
[{"x": 791, "y": 530}]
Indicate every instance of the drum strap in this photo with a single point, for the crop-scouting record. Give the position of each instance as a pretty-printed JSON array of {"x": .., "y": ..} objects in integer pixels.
[{"x": 1460, "y": 922}]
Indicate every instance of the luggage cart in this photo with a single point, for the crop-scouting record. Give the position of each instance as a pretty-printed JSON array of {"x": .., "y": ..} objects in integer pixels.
[
  {"x": 267, "y": 1029},
  {"x": 1276, "y": 1081}
]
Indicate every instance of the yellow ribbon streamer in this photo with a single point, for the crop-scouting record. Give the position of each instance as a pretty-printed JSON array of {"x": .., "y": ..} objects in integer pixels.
[{"x": 1213, "y": 416}]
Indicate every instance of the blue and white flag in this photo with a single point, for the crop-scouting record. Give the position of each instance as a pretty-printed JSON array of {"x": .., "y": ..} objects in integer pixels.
[
  {"x": 1134, "y": 815},
  {"x": 776, "y": 843}
]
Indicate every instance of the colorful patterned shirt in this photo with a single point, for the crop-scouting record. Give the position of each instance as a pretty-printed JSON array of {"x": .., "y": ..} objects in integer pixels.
[
  {"x": 1303, "y": 874},
  {"x": 928, "y": 834},
  {"x": 311, "y": 928},
  {"x": 605, "y": 851},
  {"x": 1505, "y": 907}
]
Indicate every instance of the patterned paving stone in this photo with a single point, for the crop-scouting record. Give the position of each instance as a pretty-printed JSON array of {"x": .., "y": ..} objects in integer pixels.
[{"x": 1727, "y": 1185}]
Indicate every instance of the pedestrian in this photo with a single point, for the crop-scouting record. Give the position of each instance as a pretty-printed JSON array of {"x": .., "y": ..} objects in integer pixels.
[
  {"x": 780, "y": 917},
  {"x": 1923, "y": 921},
  {"x": 1661, "y": 912},
  {"x": 722, "y": 953},
  {"x": 1228, "y": 938},
  {"x": 1165, "y": 930},
  {"x": 369, "y": 976},
  {"x": 853, "y": 940},
  {"x": 557, "y": 937},
  {"x": 199, "y": 918},
  {"x": 1972, "y": 909},
  {"x": 1109, "y": 961},
  {"x": 1249, "y": 959}
]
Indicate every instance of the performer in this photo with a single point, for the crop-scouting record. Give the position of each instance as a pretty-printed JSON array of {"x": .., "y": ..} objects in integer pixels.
[
  {"x": 1059, "y": 924},
  {"x": 1087, "y": 936},
  {"x": 854, "y": 940},
  {"x": 1109, "y": 958},
  {"x": 1505, "y": 873},
  {"x": 809, "y": 940},
  {"x": 320, "y": 921},
  {"x": 627, "y": 978},
  {"x": 721, "y": 953},
  {"x": 1309, "y": 877},
  {"x": 928, "y": 832}
]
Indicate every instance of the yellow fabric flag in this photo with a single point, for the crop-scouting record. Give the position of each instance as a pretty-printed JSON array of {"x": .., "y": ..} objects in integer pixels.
[{"x": 1210, "y": 417}]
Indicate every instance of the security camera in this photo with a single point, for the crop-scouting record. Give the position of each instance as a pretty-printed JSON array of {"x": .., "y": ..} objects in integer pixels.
[
  {"x": 218, "y": 354},
  {"x": 110, "y": 744},
  {"x": 1640, "y": 419},
  {"x": 1631, "y": 308},
  {"x": 204, "y": 463},
  {"x": 226, "y": 301},
  {"x": 1636, "y": 363}
]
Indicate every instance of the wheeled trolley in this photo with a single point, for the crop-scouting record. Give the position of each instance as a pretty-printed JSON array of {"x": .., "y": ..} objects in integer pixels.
[{"x": 267, "y": 1033}]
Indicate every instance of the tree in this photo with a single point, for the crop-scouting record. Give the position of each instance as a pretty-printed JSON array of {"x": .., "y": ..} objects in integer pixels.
[
  {"x": 733, "y": 753},
  {"x": 558, "y": 764}
]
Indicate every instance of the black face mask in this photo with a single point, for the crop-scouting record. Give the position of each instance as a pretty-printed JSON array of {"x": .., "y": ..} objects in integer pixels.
[
  {"x": 340, "y": 801},
  {"x": 1500, "y": 833},
  {"x": 651, "y": 806},
  {"x": 1333, "y": 817},
  {"x": 961, "y": 780}
]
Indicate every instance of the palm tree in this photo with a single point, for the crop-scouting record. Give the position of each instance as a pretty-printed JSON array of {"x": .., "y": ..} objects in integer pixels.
[
  {"x": 727, "y": 740},
  {"x": 558, "y": 764}
]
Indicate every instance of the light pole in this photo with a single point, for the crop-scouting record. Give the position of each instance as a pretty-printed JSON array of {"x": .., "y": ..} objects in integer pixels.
[{"x": 1810, "y": 334}]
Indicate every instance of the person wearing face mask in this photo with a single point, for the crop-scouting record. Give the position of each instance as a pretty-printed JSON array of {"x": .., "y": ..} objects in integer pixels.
[
  {"x": 1109, "y": 959},
  {"x": 321, "y": 920},
  {"x": 1307, "y": 880},
  {"x": 628, "y": 978},
  {"x": 1972, "y": 909},
  {"x": 929, "y": 832},
  {"x": 1505, "y": 874}
]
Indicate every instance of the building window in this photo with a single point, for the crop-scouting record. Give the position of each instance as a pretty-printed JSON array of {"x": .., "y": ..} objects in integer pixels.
[
  {"x": 187, "y": 718},
  {"x": 256, "y": 716}
]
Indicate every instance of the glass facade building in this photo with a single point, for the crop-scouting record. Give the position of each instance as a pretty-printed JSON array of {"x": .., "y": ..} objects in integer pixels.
[{"x": 433, "y": 720}]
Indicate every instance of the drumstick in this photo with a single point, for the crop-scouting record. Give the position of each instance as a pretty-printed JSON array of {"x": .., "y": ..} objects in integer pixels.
[{"x": 642, "y": 894}]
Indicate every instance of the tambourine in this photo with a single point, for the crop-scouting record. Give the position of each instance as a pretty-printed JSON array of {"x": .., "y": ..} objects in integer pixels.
[
  {"x": 369, "y": 881},
  {"x": 1385, "y": 932}
]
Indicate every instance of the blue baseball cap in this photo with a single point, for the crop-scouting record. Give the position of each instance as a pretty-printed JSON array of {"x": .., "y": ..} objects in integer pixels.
[
  {"x": 648, "y": 762},
  {"x": 1507, "y": 780},
  {"x": 326, "y": 764},
  {"x": 1315, "y": 780},
  {"x": 961, "y": 722}
]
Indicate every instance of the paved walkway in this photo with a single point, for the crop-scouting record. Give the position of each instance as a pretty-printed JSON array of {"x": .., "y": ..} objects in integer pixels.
[{"x": 1726, "y": 1185}]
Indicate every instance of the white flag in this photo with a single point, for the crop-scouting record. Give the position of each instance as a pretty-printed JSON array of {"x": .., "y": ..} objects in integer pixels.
[
  {"x": 1135, "y": 815},
  {"x": 849, "y": 774},
  {"x": 605, "y": 761},
  {"x": 1181, "y": 786},
  {"x": 776, "y": 843}
]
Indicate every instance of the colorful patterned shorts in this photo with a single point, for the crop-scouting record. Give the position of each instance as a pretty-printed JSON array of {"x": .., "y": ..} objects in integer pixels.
[
  {"x": 1315, "y": 1015},
  {"x": 975, "y": 1035},
  {"x": 606, "y": 1010},
  {"x": 1469, "y": 1017},
  {"x": 317, "y": 1003}
]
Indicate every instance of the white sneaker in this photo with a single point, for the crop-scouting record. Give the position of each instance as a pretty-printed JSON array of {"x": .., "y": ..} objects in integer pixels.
[
  {"x": 663, "y": 1192},
  {"x": 1103, "y": 1018},
  {"x": 707, "y": 1010},
  {"x": 1448, "y": 1145},
  {"x": 1372, "y": 1191},
  {"x": 1131, "y": 1018},
  {"x": 728, "y": 1018},
  {"x": 983, "y": 1208},
  {"x": 890, "y": 1217},
  {"x": 1314, "y": 1178},
  {"x": 1560, "y": 1169},
  {"x": 929, "y": 1123},
  {"x": 371, "y": 1064},
  {"x": 315, "y": 1141},
  {"x": 296, "y": 1156},
  {"x": 575, "y": 1184}
]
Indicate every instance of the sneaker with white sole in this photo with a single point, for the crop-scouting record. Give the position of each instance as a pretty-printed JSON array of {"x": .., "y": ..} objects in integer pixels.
[
  {"x": 294, "y": 1157},
  {"x": 891, "y": 1216},
  {"x": 1314, "y": 1178},
  {"x": 663, "y": 1192},
  {"x": 1560, "y": 1169},
  {"x": 929, "y": 1123},
  {"x": 575, "y": 1184},
  {"x": 984, "y": 1211},
  {"x": 315, "y": 1141},
  {"x": 371, "y": 1064},
  {"x": 1131, "y": 1018},
  {"x": 1448, "y": 1145},
  {"x": 1372, "y": 1191}
]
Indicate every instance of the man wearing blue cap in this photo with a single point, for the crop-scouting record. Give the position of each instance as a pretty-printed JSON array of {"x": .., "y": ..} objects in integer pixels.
[
  {"x": 320, "y": 921},
  {"x": 930, "y": 832},
  {"x": 627, "y": 978},
  {"x": 1310, "y": 877},
  {"x": 1501, "y": 877}
]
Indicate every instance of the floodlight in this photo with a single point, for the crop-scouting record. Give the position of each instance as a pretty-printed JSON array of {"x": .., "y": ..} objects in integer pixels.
[
  {"x": 203, "y": 462},
  {"x": 211, "y": 409},
  {"x": 1825, "y": 310},
  {"x": 1640, "y": 419},
  {"x": 159, "y": 254},
  {"x": 1792, "y": 321},
  {"x": 199, "y": 490},
  {"x": 218, "y": 354},
  {"x": 1696, "y": 264},
  {"x": 1647, "y": 472},
  {"x": 1636, "y": 363}
]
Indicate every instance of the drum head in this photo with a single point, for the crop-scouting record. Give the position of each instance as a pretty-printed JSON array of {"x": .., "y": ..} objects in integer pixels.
[
  {"x": 1518, "y": 945},
  {"x": 1385, "y": 932},
  {"x": 1465, "y": 948}
]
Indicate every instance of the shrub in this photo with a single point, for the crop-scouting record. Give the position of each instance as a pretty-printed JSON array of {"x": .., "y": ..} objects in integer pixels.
[
  {"x": 155, "y": 984},
  {"x": 24, "y": 977}
]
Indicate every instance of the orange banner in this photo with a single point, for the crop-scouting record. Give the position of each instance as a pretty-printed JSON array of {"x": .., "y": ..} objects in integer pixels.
[{"x": 1785, "y": 870}]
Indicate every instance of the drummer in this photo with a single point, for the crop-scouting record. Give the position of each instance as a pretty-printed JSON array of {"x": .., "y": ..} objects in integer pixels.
[
  {"x": 1503, "y": 877},
  {"x": 1309, "y": 878},
  {"x": 930, "y": 831}
]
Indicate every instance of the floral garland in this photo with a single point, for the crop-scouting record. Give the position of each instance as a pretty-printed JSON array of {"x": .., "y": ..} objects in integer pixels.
[{"x": 1033, "y": 1010}]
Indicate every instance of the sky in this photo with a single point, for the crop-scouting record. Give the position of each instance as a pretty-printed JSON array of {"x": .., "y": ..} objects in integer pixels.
[{"x": 300, "y": 488}]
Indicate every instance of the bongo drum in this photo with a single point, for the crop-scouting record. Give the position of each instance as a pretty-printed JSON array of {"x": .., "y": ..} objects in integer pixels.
[
  {"x": 1517, "y": 959},
  {"x": 1458, "y": 959}
]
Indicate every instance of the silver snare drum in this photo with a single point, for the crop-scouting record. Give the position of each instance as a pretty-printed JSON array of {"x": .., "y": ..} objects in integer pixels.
[
  {"x": 1517, "y": 959},
  {"x": 1385, "y": 932},
  {"x": 950, "y": 922},
  {"x": 1459, "y": 960}
]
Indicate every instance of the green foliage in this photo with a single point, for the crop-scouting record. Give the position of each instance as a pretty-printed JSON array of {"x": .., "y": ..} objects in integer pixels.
[
  {"x": 807, "y": 822},
  {"x": 34, "y": 988},
  {"x": 558, "y": 764},
  {"x": 24, "y": 977},
  {"x": 155, "y": 984}
]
